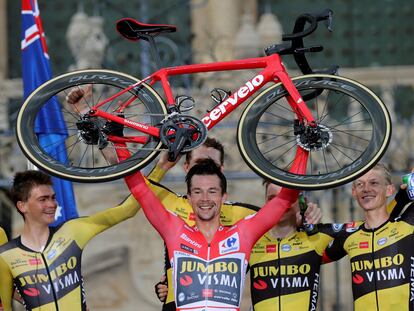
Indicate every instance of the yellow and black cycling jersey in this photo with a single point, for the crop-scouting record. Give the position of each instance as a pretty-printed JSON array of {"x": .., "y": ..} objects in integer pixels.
[
  {"x": 178, "y": 204},
  {"x": 52, "y": 279},
  {"x": 3, "y": 236},
  {"x": 382, "y": 262},
  {"x": 284, "y": 273}
]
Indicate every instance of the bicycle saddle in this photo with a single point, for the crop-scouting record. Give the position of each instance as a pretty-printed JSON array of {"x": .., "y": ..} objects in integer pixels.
[{"x": 134, "y": 30}]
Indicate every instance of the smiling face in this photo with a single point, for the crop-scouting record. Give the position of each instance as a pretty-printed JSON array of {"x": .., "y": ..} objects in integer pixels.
[
  {"x": 206, "y": 197},
  {"x": 372, "y": 190},
  {"x": 40, "y": 206}
]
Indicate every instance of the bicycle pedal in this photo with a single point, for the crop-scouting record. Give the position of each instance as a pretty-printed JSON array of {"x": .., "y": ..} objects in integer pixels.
[{"x": 219, "y": 95}]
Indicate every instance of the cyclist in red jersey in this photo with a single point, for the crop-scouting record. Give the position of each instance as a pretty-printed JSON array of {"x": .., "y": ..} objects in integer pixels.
[
  {"x": 209, "y": 260},
  {"x": 230, "y": 212}
]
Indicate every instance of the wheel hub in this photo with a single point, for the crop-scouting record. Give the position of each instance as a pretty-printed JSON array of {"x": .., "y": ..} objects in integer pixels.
[
  {"x": 314, "y": 138},
  {"x": 90, "y": 132}
]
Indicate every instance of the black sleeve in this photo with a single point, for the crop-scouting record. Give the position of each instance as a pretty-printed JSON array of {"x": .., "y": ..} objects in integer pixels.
[
  {"x": 335, "y": 249},
  {"x": 408, "y": 215},
  {"x": 401, "y": 199}
]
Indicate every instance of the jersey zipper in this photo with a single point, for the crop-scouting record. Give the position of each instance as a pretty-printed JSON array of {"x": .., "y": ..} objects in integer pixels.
[
  {"x": 50, "y": 281},
  {"x": 207, "y": 280},
  {"x": 373, "y": 266}
]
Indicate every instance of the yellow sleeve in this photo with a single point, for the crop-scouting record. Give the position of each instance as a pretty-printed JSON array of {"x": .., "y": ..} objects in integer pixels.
[
  {"x": 85, "y": 228},
  {"x": 391, "y": 206},
  {"x": 157, "y": 174},
  {"x": 320, "y": 241},
  {"x": 6, "y": 285},
  {"x": 3, "y": 237}
]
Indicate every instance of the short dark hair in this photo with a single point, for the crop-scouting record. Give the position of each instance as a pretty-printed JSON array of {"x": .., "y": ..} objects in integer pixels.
[
  {"x": 210, "y": 143},
  {"x": 24, "y": 182},
  {"x": 206, "y": 167}
]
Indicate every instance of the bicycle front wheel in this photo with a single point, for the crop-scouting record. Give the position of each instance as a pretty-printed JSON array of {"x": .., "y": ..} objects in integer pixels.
[
  {"x": 352, "y": 133},
  {"x": 57, "y": 136}
]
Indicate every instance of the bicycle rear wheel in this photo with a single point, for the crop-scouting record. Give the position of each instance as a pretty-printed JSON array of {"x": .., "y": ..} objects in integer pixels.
[
  {"x": 354, "y": 129},
  {"x": 70, "y": 146}
]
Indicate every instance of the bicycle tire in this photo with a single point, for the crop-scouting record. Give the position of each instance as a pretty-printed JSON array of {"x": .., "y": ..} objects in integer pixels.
[
  {"x": 81, "y": 159},
  {"x": 352, "y": 116}
]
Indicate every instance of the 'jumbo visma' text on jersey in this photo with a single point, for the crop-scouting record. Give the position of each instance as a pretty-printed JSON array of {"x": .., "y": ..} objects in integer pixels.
[
  {"x": 208, "y": 275},
  {"x": 52, "y": 279},
  {"x": 178, "y": 204},
  {"x": 284, "y": 273},
  {"x": 382, "y": 263}
]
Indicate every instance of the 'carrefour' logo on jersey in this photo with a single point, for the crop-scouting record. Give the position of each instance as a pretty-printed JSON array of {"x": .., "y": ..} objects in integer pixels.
[{"x": 231, "y": 244}]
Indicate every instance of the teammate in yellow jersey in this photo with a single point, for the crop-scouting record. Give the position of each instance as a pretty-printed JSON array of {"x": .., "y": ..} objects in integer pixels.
[
  {"x": 380, "y": 249},
  {"x": 285, "y": 262},
  {"x": 44, "y": 263}
]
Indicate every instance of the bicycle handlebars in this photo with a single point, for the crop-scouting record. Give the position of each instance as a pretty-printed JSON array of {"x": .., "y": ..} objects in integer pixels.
[
  {"x": 299, "y": 30},
  {"x": 297, "y": 48}
]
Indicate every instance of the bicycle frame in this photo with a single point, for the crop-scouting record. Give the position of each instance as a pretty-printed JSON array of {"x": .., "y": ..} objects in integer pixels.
[{"x": 273, "y": 71}]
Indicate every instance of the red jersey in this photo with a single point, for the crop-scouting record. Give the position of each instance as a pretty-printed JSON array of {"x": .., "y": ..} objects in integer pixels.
[{"x": 208, "y": 275}]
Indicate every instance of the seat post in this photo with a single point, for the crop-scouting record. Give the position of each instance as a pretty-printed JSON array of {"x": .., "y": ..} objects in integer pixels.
[{"x": 154, "y": 50}]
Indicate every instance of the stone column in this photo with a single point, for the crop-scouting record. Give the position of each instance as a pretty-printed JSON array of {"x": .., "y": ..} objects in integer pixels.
[{"x": 215, "y": 25}]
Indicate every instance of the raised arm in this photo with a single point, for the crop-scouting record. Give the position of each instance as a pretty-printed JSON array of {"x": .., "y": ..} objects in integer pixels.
[
  {"x": 162, "y": 220},
  {"x": 162, "y": 167},
  {"x": 269, "y": 215}
]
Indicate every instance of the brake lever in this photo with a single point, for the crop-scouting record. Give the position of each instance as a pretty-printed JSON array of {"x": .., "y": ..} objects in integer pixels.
[{"x": 326, "y": 15}]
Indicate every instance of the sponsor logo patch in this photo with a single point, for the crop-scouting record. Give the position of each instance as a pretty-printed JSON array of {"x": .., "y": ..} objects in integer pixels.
[
  {"x": 51, "y": 254},
  {"x": 32, "y": 292},
  {"x": 260, "y": 285},
  {"x": 208, "y": 293},
  {"x": 286, "y": 247},
  {"x": 231, "y": 244},
  {"x": 382, "y": 241},
  {"x": 337, "y": 227},
  {"x": 357, "y": 279},
  {"x": 271, "y": 248},
  {"x": 34, "y": 261}
]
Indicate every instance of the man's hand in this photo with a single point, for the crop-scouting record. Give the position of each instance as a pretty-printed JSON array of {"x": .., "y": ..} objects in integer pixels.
[
  {"x": 166, "y": 165},
  {"x": 313, "y": 215},
  {"x": 78, "y": 98},
  {"x": 161, "y": 289}
]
